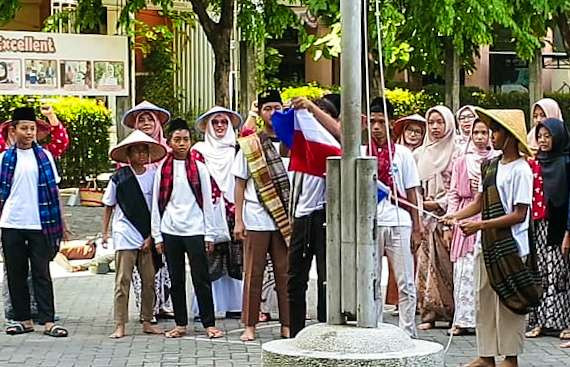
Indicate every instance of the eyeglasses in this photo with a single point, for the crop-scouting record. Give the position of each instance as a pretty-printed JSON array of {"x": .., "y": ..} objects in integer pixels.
[
  {"x": 466, "y": 117},
  {"x": 219, "y": 122},
  {"x": 414, "y": 131}
]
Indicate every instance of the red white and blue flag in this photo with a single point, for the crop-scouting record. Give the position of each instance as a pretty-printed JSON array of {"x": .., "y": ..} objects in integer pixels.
[{"x": 309, "y": 142}]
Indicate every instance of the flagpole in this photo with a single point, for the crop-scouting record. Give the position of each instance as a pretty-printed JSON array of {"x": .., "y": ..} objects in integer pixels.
[{"x": 351, "y": 109}]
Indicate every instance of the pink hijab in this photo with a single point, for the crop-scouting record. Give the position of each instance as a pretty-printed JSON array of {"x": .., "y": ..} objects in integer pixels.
[
  {"x": 551, "y": 110},
  {"x": 157, "y": 134}
]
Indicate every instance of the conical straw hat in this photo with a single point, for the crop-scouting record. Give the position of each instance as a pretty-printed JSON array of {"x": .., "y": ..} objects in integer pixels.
[
  {"x": 130, "y": 117},
  {"x": 156, "y": 151},
  {"x": 234, "y": 117},
  {"x": 512, "y": 120}
]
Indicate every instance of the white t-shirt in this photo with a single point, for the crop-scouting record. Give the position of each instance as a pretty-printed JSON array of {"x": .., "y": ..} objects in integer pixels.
[
  {"x": 406, "y": 177},
  {"x": 125, "y": 235},
  {"x": 182, "y": 215},
  {"x": 255, "y": 217},
  {"x": 21, "y": 210},
  {"x": 514, "y": 184},
  {"x": 312, "y": 196}
]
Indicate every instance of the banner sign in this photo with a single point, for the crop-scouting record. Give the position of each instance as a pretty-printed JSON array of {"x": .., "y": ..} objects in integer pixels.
[{"x": 37, "y": 63}]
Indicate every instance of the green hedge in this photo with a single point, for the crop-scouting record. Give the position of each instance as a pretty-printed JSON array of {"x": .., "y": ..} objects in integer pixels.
[
  {"x": 87, "y": 122},
  {"x": 408, "y": 101}
]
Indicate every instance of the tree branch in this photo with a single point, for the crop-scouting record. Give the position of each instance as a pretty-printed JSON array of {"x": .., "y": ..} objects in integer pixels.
[
  {"x": 200, "y": 8},
  {"x": 561, "y": 19}
]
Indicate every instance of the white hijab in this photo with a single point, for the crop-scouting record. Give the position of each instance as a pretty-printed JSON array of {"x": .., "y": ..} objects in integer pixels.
[{"x": 219, "y": 154}]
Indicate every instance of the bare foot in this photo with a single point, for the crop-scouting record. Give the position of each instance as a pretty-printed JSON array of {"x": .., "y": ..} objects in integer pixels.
[
  {"x": 248, "y": 334},
  {"x": 482, "y": 362},
  {"x": 177, "y": 332},
  {"x": 510, "y": 362},
  {"x": 119, "y": 332},
  {"x": 285, "y": 332},
  {"x": 213, "y": 332},
  {"x": 149, "y": 328}
]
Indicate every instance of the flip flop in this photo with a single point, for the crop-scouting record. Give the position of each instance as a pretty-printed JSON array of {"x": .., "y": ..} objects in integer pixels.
[
  {"x": 246, "y": 338},
  {"x": 56, "y": 331},
  {"x": 565, "y": 334},
  {"x": 18, "y": 329},
  {"x": 426, "y": 325},
  {"x": 175, "y": 333},
  {"x": 534, "y": 332},
  {"x": 214, "y": 334}
]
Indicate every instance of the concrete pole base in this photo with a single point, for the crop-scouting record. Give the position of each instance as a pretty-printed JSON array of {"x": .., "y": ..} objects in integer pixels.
[{"x": 342, "y": 345}]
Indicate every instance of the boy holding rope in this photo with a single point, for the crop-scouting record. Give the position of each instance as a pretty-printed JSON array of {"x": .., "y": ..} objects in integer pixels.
[{"x": 506, "y": 279}]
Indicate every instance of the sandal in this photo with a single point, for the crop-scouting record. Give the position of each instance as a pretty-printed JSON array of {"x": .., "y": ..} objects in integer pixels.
[
  {"x": 534, "y": 332},
  {"x": 460, "y": 331},
  {"x": 18, "y": 329},
  {"x": 175, "y": 333},
  {"x": 426, "y": 325},
  {"x": 565, "y": 334},
  {"x": 214, "y": 333},
  {"x": 565, "y": 345},
  {"x": 247, "y": 337},
  {"x": 56, "y": 331}
]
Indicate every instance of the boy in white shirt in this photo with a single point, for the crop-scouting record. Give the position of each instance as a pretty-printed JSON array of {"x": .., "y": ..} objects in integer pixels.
[
  {"x": 182, "y": 224},
  {"x": 129, "y": 196},
  {"x": 31, "y": 222},
  {"x": 398, "y": 229},
  {"x": 506, "y": 277}
]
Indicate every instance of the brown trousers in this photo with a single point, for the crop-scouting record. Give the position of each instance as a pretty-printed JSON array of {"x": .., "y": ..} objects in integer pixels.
[
  {"x": 500, "y": 332},
  {"x": 256, "y": 247},
  {"x": 125, "y": 261}
]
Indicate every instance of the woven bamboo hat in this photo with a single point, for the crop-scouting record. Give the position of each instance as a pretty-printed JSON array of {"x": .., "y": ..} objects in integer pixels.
[
  {"x": 130, "y": 117},
  {"x": 512, "y": 120},
  {"x": 120, "y": 152},
  {"x": 402, "y": 122},
  {"x": 203, "y": 119}
]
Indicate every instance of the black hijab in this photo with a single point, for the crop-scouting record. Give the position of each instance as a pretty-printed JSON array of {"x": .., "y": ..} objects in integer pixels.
[{"x": 554, "y": 163}]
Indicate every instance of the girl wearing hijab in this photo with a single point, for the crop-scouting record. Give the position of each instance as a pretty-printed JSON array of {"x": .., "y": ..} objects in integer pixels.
[
  {"x": 465, "y": 178},
  {"x": 541, "y": 110},
  {"x": 410, "y": 131},
  {"x": 217, "y": 152},
  {"x": 553, "y": 314},
  {"x": 150, "y": 119},
  {"x": 435, "y": 272},
  {"x": 465, "y": 117}
]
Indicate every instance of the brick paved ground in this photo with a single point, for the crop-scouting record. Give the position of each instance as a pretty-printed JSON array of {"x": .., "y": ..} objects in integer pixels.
[{"x": 85, "y": 307}]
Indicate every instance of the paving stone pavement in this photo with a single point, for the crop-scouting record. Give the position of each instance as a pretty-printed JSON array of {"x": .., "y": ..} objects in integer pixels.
[{"x": 85, "y": 307}]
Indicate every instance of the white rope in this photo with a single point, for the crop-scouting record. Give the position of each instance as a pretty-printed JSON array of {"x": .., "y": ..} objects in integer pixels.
[
  {"x": 387, "y": 117},
  {"x": 367, "y": 75},
  {"x": 385, "y": 105}
]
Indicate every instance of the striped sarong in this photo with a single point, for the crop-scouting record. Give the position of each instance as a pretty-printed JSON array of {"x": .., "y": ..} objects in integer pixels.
[
  {"x": 270, "y": 179},
  {"x": 516, "y": 280}
]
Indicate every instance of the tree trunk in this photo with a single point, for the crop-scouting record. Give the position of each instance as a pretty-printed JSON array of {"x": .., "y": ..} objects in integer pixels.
[
  {"x": 535, "y": 78},
  {"x": 222, "y": 71},
  {"x": 452, "y": 80},
  {"x": 248, "y": 85}
]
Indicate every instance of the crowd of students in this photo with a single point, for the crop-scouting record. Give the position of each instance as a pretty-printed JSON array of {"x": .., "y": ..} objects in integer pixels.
[{"x": 476, "y": 229}]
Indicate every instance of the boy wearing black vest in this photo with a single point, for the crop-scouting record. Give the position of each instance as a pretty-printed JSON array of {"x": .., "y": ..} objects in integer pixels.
[
  {"x": 182, "y": 224},
  {"x": 129, "y": 196}
]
